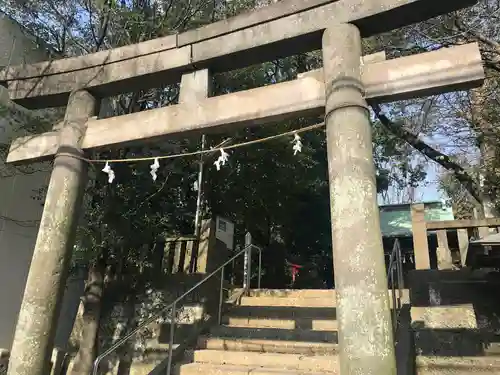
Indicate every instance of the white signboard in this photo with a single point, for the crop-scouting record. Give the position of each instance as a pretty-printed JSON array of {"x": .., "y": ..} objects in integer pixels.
[{"x": 225, "y": 231}]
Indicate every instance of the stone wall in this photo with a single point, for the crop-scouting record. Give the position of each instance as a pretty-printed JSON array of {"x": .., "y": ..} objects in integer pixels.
[
  {"x": 455, "y": 313},
  {"x": 148, "y": 349}
]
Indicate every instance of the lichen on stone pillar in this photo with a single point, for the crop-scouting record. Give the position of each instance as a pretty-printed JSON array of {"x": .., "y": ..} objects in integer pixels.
[
  {"x": 365, "y": 331},
  {"x": 37, "y": 322}
]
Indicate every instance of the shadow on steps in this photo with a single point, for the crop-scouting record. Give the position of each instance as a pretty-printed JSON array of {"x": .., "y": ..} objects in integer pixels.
[{"x": 275, "y": 334}]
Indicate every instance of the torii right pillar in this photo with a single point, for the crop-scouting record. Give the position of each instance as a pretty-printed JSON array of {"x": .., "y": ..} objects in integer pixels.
[{"x": 366, "y": 340}]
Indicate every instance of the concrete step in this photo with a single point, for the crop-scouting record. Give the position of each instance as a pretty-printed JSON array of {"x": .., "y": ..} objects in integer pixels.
[
  {"x": 275, "y": 334},
  {"x": 206, "y": 369},
  {"x": 157, "y": 352},
  {"x": 268, "y": 360},
  {"x": 291, "y": 293},
  {"x": 299, "y": 323},
  {"x": 283, "y": 312},
  {"x": 292, "y": 301},
  {"x": 143, "y": 368},
  {"x": 300, "y": 298},
  {"x": 457, "y": 365},
  {"x": 267, "y": 346},
  {"x": 467, "y": 343}
]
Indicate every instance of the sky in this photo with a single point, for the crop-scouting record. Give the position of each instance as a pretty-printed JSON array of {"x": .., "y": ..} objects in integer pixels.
[{"x": 430, "y": 191}]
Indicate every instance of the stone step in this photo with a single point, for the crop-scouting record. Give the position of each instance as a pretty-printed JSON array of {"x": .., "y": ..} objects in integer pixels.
[
  {"x": 283, "y": 312},
  {"x": 467, "y": 343},
  {"x": 206, "y": 369},
  {"x": 300, "y": 298},
  {"x": 299, "y": 323},
  {"x": 154, "y": 346},
  {"x": 267, "y": 346},
  {"x": 461, "y": 316},
  {"x": 291, "y": 293},
  {"x": 311, "y": 363},
  {"x": 275, "y": 334},
  {"x": 457, "y": 365},
  {"x": 143, "y": 368},
  {"x": 293, "y": 301}
]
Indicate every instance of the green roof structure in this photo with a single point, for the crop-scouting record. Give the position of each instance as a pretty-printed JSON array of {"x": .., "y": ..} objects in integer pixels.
[{"x": 395, "y": 220}]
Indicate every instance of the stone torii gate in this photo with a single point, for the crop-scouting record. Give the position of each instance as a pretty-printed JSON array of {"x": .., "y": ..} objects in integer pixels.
[{"x": 340, "y": 91}]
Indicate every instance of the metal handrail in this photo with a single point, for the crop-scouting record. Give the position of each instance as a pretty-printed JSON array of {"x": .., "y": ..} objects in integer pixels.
[
  {"x": 396, "y": 264},
  {"x": 172, "y": 306}
]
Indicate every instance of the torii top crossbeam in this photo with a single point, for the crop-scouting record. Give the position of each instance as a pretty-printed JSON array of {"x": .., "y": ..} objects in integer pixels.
[{"x": 279, "y": 30}]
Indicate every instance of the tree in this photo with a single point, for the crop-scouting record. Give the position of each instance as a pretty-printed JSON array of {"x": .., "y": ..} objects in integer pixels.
[
  {"x": 466, "y": 120},
  {"x": 281, "y": 198}
]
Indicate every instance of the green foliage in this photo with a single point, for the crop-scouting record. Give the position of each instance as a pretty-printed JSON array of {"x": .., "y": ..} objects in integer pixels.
[{"x": 281, "y": 198}]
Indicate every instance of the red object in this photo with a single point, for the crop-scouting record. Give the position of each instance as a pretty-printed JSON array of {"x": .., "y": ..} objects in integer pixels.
[{"x": 294, "y": 268}]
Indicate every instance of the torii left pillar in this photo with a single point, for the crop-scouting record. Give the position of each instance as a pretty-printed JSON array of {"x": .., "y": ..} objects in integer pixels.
[{"x": 37, "y": 322}]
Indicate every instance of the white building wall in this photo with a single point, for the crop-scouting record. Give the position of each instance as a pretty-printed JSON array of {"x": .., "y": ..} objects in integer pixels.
[{"x": 19, "y": 212}]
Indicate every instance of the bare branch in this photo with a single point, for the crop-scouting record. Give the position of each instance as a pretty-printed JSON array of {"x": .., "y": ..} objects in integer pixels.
[{"x": 460, "y": 173}]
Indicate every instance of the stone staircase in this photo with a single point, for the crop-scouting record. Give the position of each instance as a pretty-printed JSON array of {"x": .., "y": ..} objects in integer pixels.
[
  {"x": 292, "y": 332},
  {"x": 452, "y": 328},
  {"x": 270, "y": 332}
]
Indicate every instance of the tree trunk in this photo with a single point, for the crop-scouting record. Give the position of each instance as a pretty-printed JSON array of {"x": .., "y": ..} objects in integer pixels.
[
  {"x": 127, "y": 351},
  {"x": 488, "y": 178},
  {"x": 487, "y": 139},
  {"x": 76, "y": 333},
  {"x": 90, "y": 318}
]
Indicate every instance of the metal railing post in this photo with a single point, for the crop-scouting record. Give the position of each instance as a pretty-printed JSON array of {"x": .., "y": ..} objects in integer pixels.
[
  {"x": 260, "y": 268},
  {"x": 171, "y": 339},
  {"x": 395, "y": 276},
  {"x": 245, "y": 270},
  {"x": 233, "y": 274},
  {"x": 394, "y": 302},
  {"x": 400, "y": 276},
  {"x": 249, "y": 273},
  {"x": 247, "y": 262},
  {"x": 221, "y": 296}
]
